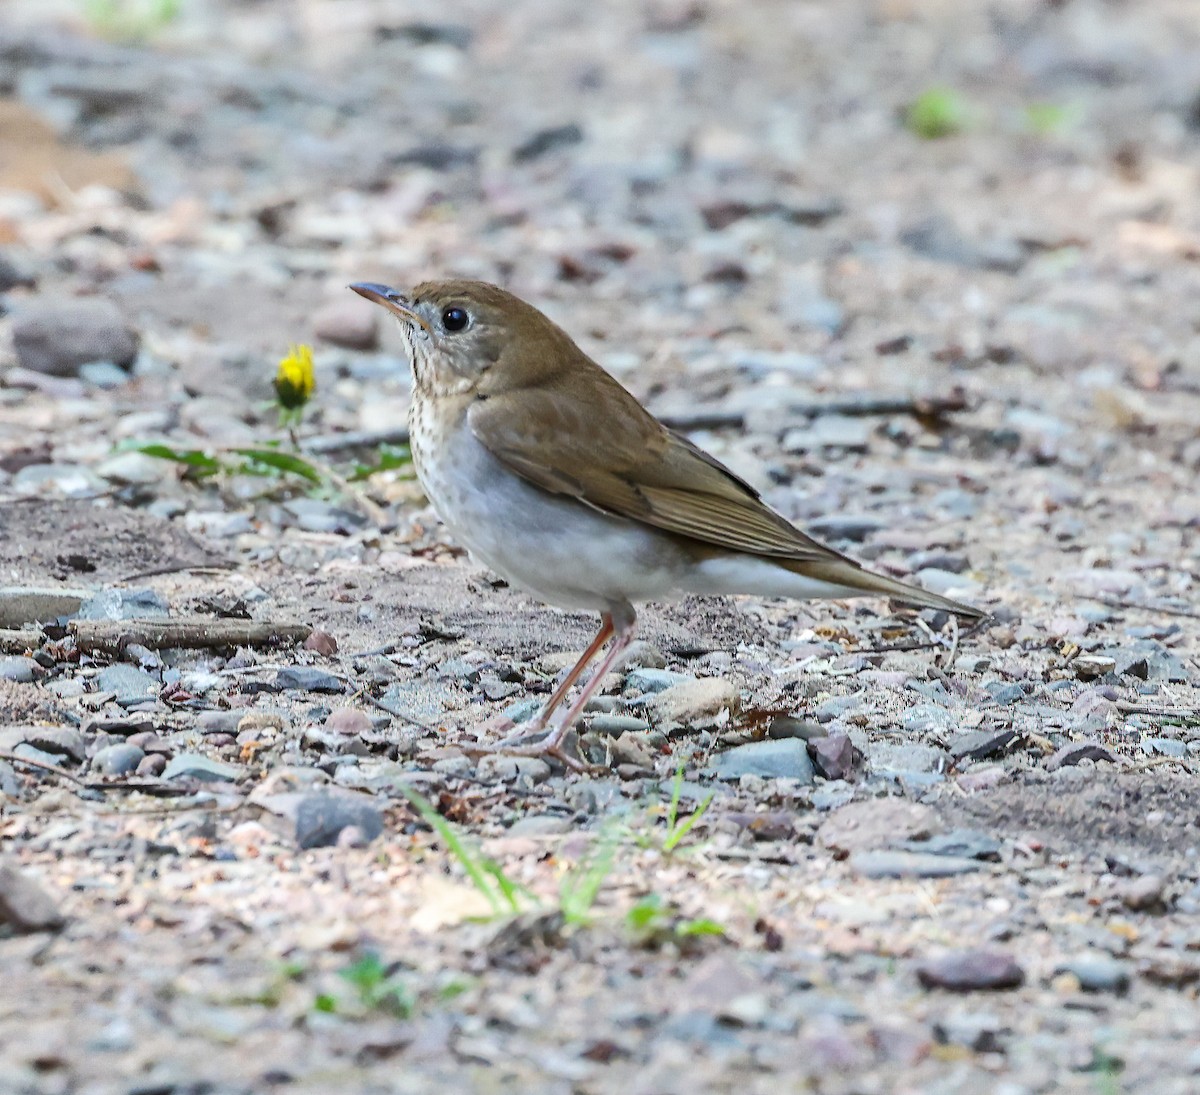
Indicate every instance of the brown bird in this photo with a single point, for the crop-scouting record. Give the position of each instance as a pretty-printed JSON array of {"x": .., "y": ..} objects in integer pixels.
[{"x": 557, "y": 478}]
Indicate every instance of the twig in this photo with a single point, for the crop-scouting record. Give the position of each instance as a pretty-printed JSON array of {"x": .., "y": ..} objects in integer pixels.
[
  {"x": 1164, "y": 610},
  {"x": 17, "y": 641},
  {"x": 861, "y": 407},
  {"x": 1181, "y": 713},
  {"x": 16, "y": 758},
  {"x": 356, "y": 439},
  {"x": 156, "y": 572},
  {"x": 112, "y": 636}
]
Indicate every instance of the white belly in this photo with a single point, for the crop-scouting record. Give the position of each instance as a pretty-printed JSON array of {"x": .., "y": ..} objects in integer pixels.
[{"x": 562, "y": 550}]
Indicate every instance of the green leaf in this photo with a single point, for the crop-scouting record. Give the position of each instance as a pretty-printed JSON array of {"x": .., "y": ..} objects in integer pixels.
[
  {"x": 703, "y": 926},
  {"x": 324, "y": 1002},
  {"x": 581, "y": 886},
  {"x": 282, "y": 461},
  {"x": 193, "y": 458},
  {"x": 390, "y": 458},
  {"x": 644, "y": 916},
  {"x": 938, "y": 112}
]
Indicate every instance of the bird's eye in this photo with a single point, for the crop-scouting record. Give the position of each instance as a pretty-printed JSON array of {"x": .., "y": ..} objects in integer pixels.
[{"x": 455, "y": 319}]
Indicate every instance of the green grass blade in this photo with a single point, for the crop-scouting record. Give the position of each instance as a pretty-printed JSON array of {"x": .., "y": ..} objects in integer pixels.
[{"x": 282, "y": 461}]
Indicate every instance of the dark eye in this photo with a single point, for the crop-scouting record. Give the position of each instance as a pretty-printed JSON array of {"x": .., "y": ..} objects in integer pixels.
[{"x": 455, "y": 319}]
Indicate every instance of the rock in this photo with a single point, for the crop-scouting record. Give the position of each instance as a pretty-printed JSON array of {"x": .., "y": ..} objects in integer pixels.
[
  {"x": 964, "y": 843},
  {"x": 21, "y": 605},
  {"x": 315, "y": 515},
  {"x": 1099, "y": 972},
  {"x": 305, "y": 678},
  {"x": 71, "y": 480},
  {"x": 547, "y": 140},
  {"x": 59, "y": 740},
  {"x": 499, "y": 767},
  {"x": 218, "y": 722},
  {"x": 352, "y": 323},
  {"x": 124, "y": 604},
  {"x": 971, "y": 971},
  {"x": 896, "y": 864},
  {"x": 877, "y": 823},
  {"x": 977, "y": 1031},
  {"x": 980, "y": 744},
  {"x": 195, "y": 766},
  {"x": 1164, "y": 747},
  {"x": 946, "y": 582},
  {"x": 349, "y": 721},
  {"x": 1076, "y": 751},
  {"x": 1090, "y": 666},
  {"x": 321, "y": 817},
  {"x": 642, "y": 655},
  {"x": 24, "y": 905},
  {"x": 117, "y": 760},
  {"x": 321, "y": 642},
  {"x": 20, "y": 670},
  {"x": 56, "y": 337},
  {"x": 785, "y": 758},
  {"x": 133, "y": 468},
  {"x": 1144, "y": 893},
  {"x": 614, "y": 726},
  {"x": 152, "y": 766},
  {"x": 833, "y": 756},
  {"x": 655, "y": 680},
  {"x": 130, "y": 684},
  {"x": 107, "y": 375},
  {"x": 891, "y": 757},
  {"x": 694, "y": 701},
  {"x": 832, "y": 431},
  {"x": 785, "y": 726},
  {"x": 217, "y": 523},
  {"x": 939, "y": 238}
]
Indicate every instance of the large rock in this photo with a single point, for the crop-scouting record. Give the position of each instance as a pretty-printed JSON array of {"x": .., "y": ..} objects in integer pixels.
[{"x": 56, "y": 337}]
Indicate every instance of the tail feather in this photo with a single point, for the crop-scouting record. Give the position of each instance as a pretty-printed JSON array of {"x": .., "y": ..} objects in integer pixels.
[{"x": 856, "y": 580}]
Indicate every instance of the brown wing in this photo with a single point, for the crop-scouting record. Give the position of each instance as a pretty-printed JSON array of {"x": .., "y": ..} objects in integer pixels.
[{"x": 629, "y": 465}]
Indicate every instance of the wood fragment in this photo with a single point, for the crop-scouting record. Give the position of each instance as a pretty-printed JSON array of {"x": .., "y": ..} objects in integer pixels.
[
  {"x": 19, "y": 640},
  {"x": 196, "y": 633}
]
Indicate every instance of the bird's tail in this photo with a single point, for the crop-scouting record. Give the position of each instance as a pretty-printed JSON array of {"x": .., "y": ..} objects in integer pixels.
[{"x": 859, "y": 582}]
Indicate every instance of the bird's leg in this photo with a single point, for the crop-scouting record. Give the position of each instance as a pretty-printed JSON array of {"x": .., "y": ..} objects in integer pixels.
[
  {"x": 622, "y": 624},
  {"x": 543, "y": 716}
]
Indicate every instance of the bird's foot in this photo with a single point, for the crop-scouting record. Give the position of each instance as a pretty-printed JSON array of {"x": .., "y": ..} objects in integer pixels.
[{"x": 534, "y": 741}]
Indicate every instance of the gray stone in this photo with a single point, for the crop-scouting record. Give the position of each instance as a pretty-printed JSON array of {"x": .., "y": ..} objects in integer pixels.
[
  {"x": 900, "y": 864},
  {"x": 893, "y": 757},
  {"x": 642, "y": 655},
  {"x": 105, "y": 375},
  {"x": 971, "y": 971},
  {"x": 27, "y": 605},
  {"x": 57, "y": 336},
  {"x": 20, "y": 670},
  {"x": 59, "y": 740},
  {"x": 133, "y": 468},
  {"x": 1099, "y": 972},
  {"x": 218, "y": 722},
  {"x": 314, "y": 515},
  {"x": 925, "y": 717},
  {"x": 980, "y": 744},
  {"x": 784, "y": 758},
  {"x": 1166, "y": 747},
  {"x": 655, "y": 680},
  {"x": 499, "y": 766},
  {"x": 70, "y": 480},
  {"x": 1077, "y": 751},
  {"x": 696, "y": 700},
  {"x": 978, "y": 1031},
  {"x": 964, "y": 843},
  {"x": 833, "y": 431},
  {"x": 24, "y": 905},
  {"x": 124, "y": 604},
  {"x": 833, "y": 756},
  {"x": 614, "y": 726},
  {"x": 352, "y": 323},
  {"x": 195, "y": 766},
  {"x": 939, "y": 238},
  {"x": 946, "y": 582},
  {"x": 321, "y": 817},
  {"x": 523, "y": 710},
  {"x": 304, "y": 678},
  {"x": 217, "y": 523},
  {"x": 130, "y": 684},
  {"x": 117, "y": 760}
]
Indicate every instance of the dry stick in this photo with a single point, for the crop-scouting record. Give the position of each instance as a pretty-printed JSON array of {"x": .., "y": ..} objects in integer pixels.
[
  {"x": 112, "y": 636},
  {"x": 16, "y": 758},
  {"x": 1165, "y": 610},
  {"x": 194, "y": 567}
]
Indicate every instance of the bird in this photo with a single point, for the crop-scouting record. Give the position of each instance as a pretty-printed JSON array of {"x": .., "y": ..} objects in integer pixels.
[{"x": 553, "y": 475}]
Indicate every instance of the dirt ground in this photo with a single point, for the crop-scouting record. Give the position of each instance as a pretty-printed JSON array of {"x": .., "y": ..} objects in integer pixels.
[{"x": 925, "y": 863}]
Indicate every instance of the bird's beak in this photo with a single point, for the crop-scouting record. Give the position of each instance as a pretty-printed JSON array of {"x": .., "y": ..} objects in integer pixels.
[{"x": 394, "y": 301}]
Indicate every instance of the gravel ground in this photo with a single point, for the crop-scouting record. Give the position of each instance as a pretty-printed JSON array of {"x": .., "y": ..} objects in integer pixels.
[{"x": 924, "y": 863}]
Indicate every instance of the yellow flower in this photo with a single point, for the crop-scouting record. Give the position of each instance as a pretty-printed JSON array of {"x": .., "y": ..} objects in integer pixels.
[{"x": 294, "y": 380}]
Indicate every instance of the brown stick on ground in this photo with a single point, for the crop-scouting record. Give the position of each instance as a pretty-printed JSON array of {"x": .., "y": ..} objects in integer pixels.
[
  {"x": 112, "y": 636},
  {"x": 20, "y": 640}
]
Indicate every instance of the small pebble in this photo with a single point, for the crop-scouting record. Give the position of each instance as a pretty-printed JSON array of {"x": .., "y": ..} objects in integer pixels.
[{"x": 971, "y": 971}]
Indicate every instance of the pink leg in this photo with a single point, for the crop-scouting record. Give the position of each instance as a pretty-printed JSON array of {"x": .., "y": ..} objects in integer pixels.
[
  {"x": 543, "y": 716},
  {"x": 621, "y": 624}
]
